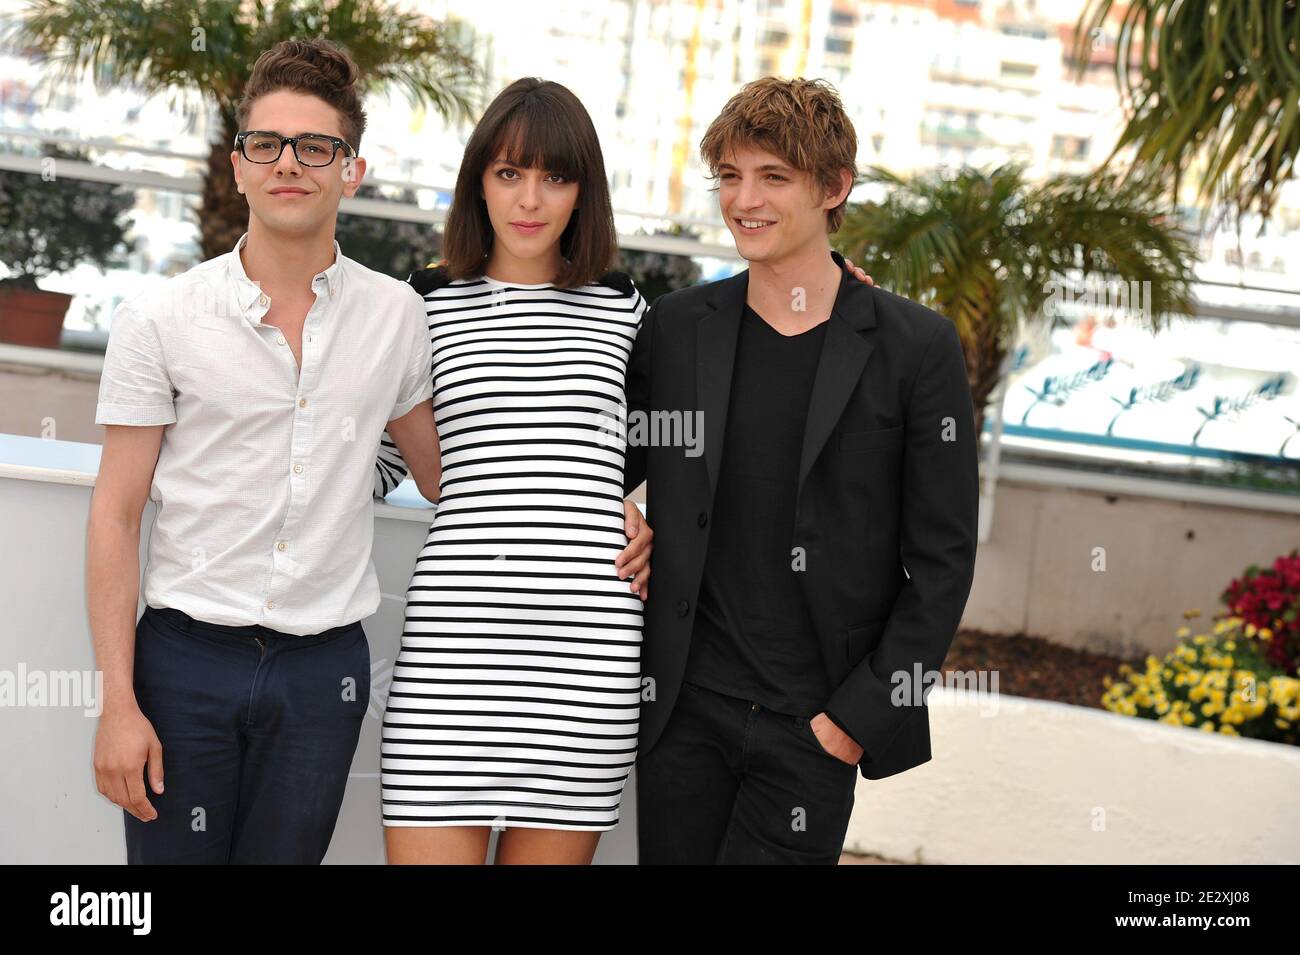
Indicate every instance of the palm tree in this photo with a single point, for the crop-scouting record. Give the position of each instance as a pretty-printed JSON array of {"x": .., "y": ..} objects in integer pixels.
[
  {"x": 1214, "y": 83},
  {"x": 986, "y": 248},
  {"x": 208, "y": 47}
]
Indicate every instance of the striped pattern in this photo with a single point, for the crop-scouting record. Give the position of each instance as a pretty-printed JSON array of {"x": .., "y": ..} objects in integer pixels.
[{"x": 514, "y": 699}]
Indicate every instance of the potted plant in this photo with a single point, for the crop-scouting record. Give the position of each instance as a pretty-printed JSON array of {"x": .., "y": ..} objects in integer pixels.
[{"x": 52, "y": 224}]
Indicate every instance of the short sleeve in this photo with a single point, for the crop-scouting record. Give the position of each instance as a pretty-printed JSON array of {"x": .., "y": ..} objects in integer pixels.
[
  {"x": 134, "y": 387},
  {"x": 639, "y": 309},
  {"x": 417, "y": 382}
]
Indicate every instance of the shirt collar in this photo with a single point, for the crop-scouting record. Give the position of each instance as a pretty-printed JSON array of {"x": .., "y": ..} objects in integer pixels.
[
  {"x": 334, "y": 274},
  {"x": 247, "y": 292}
]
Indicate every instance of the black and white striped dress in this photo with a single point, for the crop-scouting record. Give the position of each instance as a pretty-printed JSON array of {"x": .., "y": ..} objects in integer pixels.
[{"x": 514, "y": 699}]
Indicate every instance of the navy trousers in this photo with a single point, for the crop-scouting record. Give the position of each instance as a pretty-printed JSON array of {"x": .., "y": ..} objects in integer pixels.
[
  {"x": 732, "y": 782},
  {"x": 258, "y": 729}
]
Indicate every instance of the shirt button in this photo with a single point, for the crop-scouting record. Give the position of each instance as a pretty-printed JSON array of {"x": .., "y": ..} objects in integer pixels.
[
  {"x": 297, "y": 469},
  {"x": 270, "y": 605},
  {"x": 281, "y": 340},
  {"x": 261, "y": 300},
  {"x": 302, "y": 402},
  {"x": 281, "y": 545},
  {"x": 702, "y": 519},
  {"x": 682, "y": 608}
]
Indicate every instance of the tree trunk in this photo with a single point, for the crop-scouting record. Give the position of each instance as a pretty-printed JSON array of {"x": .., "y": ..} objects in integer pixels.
[
  {"x": 223, "y": 211},
  {"x": 983, "y": 363}
]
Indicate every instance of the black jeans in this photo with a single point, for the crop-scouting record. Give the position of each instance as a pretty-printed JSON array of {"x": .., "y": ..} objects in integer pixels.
[
  {"x": 257, "y": 728},
  {"x": 730, "y": 781}
]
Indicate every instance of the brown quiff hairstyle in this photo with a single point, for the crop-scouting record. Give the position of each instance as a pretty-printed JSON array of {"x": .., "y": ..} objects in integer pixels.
[
  {"x": 540, "y": 124},
  {"x": 317, "y": 67},
  {"x": 802, "y": 121}
]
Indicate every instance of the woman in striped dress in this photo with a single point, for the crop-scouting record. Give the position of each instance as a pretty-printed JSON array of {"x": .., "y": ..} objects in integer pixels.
[{"x": 514, "y": 699}]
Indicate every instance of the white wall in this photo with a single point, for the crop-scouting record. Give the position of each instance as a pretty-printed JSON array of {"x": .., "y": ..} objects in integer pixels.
[{"x": 1035, "y": 573}]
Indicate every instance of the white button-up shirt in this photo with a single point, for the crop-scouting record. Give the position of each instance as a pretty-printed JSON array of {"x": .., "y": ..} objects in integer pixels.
[{"x": 264, "y": 482}]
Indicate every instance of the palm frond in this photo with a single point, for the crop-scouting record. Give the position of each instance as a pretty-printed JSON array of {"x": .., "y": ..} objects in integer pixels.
[
  {"x": 211, "y": 45},
  {"x": 1210, "y": 86}
]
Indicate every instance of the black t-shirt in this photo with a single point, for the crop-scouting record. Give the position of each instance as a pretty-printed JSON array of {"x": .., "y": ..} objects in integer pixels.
[{"x": 753, "y": 637}]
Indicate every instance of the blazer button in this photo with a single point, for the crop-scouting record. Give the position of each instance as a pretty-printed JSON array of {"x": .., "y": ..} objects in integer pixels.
[
  {"x": 702, "y": 519},
  {"x": 682, "y": 607}
]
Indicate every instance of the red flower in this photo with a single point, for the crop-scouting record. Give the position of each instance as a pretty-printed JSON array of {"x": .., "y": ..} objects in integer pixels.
[{"x": 1267, "y": 598}]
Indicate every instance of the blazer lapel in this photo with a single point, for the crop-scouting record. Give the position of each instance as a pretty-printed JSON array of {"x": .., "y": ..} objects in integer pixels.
[
  {"x": 715, "y": 357},
  {"x": 843, "y": 359}
]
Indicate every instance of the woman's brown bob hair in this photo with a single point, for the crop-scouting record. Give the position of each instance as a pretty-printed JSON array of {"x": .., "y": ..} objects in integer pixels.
[{"x": 539, "y": 124}]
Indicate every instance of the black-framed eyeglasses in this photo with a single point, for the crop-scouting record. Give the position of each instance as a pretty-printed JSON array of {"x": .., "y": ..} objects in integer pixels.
[{"x": 310, "y": 149}]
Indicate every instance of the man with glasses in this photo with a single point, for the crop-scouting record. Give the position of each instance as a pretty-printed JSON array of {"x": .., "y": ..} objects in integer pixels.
[{"x": 247, "y": 398}]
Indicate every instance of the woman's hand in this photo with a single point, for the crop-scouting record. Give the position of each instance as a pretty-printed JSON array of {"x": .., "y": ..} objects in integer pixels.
[
  {"x": 634, "y": 562},
  {"x": 857, "y": 273}
]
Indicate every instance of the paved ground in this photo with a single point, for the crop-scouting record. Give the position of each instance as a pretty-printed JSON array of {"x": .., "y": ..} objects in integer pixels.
[{"x": 848, "y": 858}]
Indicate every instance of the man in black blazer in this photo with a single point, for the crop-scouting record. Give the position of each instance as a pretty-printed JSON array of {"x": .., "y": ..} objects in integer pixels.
[{"x": 812, "y": 564}]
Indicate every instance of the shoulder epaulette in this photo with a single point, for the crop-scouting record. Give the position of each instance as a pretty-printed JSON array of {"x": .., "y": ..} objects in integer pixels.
[
  {"x": 425, "y": 281},
  {"x": 617, "y": 280}
]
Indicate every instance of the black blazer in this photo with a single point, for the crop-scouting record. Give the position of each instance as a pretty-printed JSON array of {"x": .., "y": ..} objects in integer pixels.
[{"x": 886, "y": 509}]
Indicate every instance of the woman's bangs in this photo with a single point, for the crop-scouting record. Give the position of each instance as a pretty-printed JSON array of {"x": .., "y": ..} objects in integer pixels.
[{"x": 537, "y": 141}]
